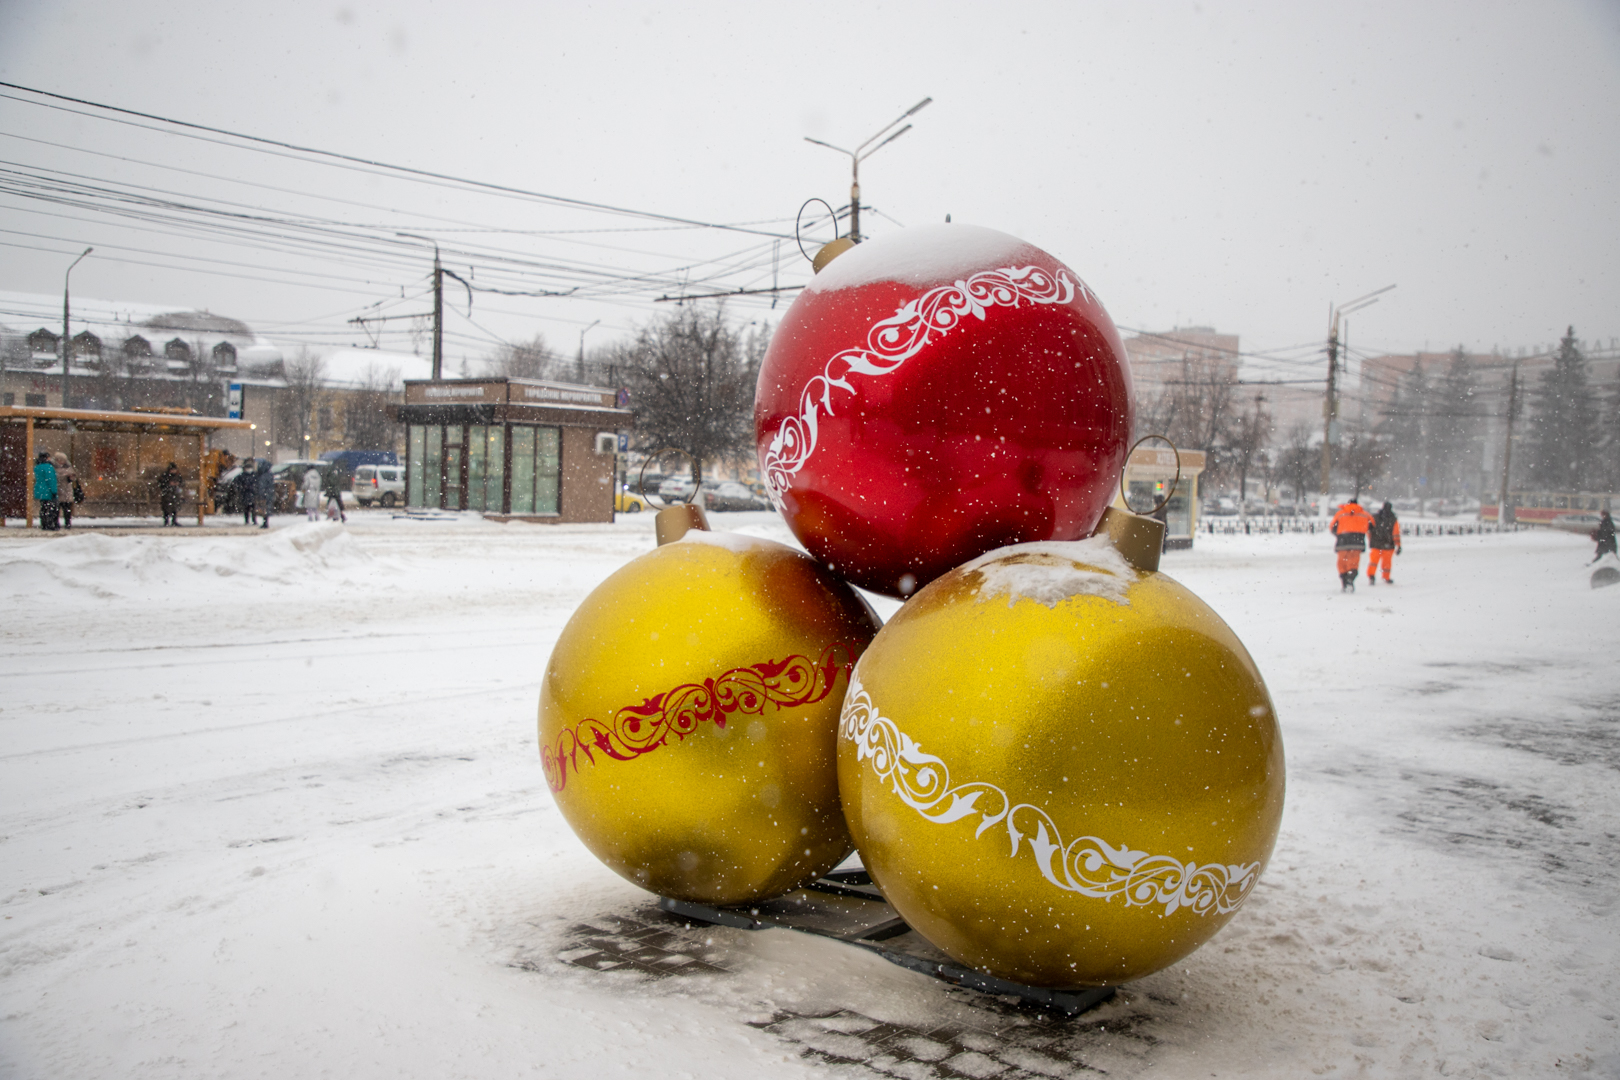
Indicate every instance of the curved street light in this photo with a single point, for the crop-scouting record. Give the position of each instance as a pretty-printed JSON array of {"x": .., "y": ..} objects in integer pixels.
[{"x": 861, "y": 153}]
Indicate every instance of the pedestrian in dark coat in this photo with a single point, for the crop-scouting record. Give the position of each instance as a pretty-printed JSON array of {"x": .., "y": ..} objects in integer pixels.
[
  {"x": 332, "y": 492},
  {"x": 264, "y": 492},
  {"x": 171, "y": 485},
  {"x": 242, "y": 491},
  {"x": 1384, "y": 538},
  {"x": 45, "y": 491},
  {"x": 1604, "y": 535}
]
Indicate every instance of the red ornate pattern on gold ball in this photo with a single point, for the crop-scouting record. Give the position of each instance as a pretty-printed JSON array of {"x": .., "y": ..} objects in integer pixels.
[{"x": 640, "y": 729}]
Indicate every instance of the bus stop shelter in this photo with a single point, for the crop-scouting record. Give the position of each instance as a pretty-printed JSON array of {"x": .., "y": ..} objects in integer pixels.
[
  {"x": 1151, "y": 478},
  {"x": 117, "y": 456}
]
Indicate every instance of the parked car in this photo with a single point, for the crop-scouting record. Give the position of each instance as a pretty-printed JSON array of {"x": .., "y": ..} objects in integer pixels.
[
  {"x": 628, "y": 502},
  {"x": 384, "y": 484},
  {"x": 644, "y": 485},
  {"x": 675, "y": 489},
  {"x": 1223, "y": 506},
  {"x": 730, "y": 495}
]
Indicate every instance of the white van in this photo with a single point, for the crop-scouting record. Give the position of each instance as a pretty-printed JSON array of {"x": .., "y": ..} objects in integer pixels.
[{"x": 383, "y": 484}]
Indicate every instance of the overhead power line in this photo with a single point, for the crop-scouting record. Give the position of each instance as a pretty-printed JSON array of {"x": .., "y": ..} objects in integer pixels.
[{"x": 404, "y": 170}]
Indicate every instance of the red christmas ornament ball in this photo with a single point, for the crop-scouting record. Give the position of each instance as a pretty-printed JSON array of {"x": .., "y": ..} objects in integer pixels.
[{"x": 938, "y": 393}]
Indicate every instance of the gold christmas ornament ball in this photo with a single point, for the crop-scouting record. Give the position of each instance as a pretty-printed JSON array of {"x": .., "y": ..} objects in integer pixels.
[
  {"x": 1060, "y": 770},
  {"x": 689, "y": 714}
]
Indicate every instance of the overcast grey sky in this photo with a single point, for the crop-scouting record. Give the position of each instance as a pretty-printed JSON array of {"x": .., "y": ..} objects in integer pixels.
[{"x": 1241, "y": 166}]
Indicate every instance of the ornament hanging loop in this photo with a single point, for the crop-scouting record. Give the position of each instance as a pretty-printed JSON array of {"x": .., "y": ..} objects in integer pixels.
[
  {"x": 674, "y": 520},
  {"x": 1162, "y": 503},
  {"x": 832, "y": 248}
]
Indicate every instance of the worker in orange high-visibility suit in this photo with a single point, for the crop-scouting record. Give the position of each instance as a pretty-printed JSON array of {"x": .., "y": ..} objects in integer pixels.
[
  {"x": 1384, "y": 542},
  {"x": 1350, "y": 525}
]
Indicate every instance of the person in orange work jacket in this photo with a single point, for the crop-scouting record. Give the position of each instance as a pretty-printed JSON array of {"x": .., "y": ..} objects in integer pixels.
[
  {"x": 1384, "y": 540},
  {"x": 1350, "y": 525}
]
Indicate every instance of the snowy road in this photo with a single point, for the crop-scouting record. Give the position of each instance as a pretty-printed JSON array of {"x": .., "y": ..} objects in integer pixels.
[{"x": 271, "y": 806}]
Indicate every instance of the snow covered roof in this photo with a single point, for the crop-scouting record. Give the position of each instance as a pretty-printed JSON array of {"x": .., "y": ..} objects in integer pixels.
[{"x": 357, "y": 368}]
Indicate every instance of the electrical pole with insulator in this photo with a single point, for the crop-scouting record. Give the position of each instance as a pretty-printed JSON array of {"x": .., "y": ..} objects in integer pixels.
[
  {"x": 438, "y": 315},
  {"x": 1330, "y": 403},
  {"x": 1330, "y": 409}
]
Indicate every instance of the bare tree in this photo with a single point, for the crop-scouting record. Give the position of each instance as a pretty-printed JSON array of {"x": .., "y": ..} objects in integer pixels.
[
  {"x": 691, "y": 377},
  {"x": 1363, "y": 458},
  {"x": 1194, "y": 411},
  {"x": 1298, "y": 459},
  {"x": 532, "y": 359},
  {"x": 368, "y": 414},
  {"x": 305, "y": 375},
  {"x": 1249, "y": 435}
]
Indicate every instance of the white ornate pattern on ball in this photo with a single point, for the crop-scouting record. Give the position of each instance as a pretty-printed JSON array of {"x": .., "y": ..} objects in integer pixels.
[
  {"x": 893, "y": 341},
  {"x": 1089, "y": 866}
]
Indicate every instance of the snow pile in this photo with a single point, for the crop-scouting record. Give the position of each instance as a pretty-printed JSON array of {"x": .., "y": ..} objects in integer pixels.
[
  {"x": 109, "y": 567},
  {"x": 303, "y": 829},
  {"x": 923, "y": 256},
  {"x": 1052, "y": 571}
]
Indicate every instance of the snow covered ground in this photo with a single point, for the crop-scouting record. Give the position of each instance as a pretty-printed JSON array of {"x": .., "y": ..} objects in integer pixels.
[{"x": 270, "y": 805}]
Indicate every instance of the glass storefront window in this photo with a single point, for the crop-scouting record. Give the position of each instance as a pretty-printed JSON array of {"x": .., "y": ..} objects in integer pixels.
[
  {"x": 495, "y": 470},
  {"x": 523, "y": 470},
  {"x": 546, "y": 461},
  {"x": 415, "y": 458},
  {"x": 1178, "y": 516},
  {"x": 452, "y": 478},
  {"x": 433, "y": 464},
  {"x": 476, "y": 436}
]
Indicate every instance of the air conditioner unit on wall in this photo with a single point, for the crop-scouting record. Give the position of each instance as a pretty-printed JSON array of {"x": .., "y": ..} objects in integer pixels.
[{"x": 606, "y": 442}]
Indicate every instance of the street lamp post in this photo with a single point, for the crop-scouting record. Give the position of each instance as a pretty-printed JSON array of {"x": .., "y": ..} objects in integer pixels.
[
  {"x": 860, "y": 153},
  {"x": 67, "y": 349},
  {"x": 579, "y": 364}
]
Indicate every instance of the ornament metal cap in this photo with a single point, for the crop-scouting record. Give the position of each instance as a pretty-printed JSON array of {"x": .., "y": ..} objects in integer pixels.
[
  {"x": 673, "y": 522},
  {"x": 1139, "y": 539},
  {"x": 1136, "y": 536},
  {"x": 830, "y": 251}
]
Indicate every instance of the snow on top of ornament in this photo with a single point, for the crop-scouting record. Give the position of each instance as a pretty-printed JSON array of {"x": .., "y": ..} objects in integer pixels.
[
  {"x": 922, "y": 256},
  {"x": 731, "y": 541},
  {"x": 1052, "y": 571}
]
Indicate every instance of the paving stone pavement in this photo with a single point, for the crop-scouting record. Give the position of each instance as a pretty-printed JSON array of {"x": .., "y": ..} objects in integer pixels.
[{"x": 990, "y": 1037}]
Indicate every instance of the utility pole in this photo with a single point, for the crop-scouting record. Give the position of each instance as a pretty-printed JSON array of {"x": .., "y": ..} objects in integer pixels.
[
  {"x": 439, "y": 273},
  {"x": 438, "y": 316},
  {"x": 67, "y": 347},
  {"x": 1330, "y": 409},
  {"x": 1507, "y": 450},
  {"x": 861, "y": 152},
  {"x": 1330, "y": 403}
]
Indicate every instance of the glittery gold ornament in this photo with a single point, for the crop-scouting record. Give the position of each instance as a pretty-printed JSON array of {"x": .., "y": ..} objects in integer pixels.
[
  {"x": 688, "y": 717},
  {"x": 1060, "y": 770}
]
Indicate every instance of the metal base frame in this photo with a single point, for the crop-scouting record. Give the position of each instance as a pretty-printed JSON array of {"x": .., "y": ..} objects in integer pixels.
[{"x": 857, "y": 928}]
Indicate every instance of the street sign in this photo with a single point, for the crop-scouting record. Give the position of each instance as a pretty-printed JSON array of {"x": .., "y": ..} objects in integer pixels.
[
  {"x": 235, "y": 411},
  {"x": 624, "y": 442}
]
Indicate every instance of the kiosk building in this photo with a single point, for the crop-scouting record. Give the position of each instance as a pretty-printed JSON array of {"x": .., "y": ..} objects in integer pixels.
[{"x": 512, "y": 448}]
